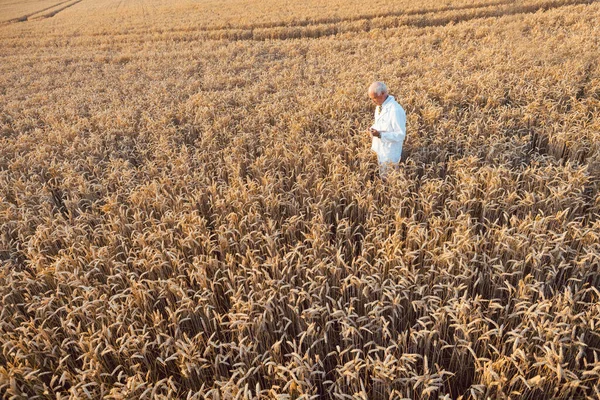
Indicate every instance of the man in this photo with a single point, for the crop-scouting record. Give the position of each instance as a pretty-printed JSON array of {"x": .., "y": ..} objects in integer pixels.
[{"x": 389, "y": 129}]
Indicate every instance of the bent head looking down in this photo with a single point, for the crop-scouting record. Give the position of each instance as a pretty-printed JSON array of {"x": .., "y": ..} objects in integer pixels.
[{"x": 378, "y": 92}]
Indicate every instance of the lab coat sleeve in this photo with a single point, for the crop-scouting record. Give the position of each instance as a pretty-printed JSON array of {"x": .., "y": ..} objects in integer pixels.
[{"x": 397, "y": 128}]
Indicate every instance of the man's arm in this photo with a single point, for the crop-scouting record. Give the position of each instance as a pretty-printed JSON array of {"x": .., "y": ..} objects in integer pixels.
[{"x": 397, "y": 128}]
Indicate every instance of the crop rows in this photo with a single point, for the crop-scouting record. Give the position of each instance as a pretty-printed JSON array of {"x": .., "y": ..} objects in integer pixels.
[{"x": 190, "y": 215}]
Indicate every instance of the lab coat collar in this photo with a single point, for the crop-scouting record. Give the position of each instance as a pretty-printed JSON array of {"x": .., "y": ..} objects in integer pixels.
[
  {"x": 387, "y": 101},
  {"x": 385, "y": 106}
]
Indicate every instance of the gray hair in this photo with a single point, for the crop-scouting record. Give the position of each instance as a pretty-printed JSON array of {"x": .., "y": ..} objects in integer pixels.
[{"x": 378, "y": 88}]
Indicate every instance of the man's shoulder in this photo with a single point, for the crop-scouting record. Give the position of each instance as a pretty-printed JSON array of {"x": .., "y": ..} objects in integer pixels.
[
  {"x": 396, "y": 106},
  {"x": 393, "y": 102}
]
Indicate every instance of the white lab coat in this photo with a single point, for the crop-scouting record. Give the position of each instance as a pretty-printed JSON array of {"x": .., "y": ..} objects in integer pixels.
[{"x": 391, "y": 123}]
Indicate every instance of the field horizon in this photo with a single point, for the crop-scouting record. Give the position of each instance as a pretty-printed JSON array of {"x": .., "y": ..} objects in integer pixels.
[{"x": 191, "y": 209}]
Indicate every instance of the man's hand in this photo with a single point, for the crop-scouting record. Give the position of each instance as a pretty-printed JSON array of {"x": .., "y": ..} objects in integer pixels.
[{"x": 374, "y": 132}]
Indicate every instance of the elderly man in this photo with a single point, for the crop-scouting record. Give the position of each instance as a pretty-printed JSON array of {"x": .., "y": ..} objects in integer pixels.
[{"x": 389, "y": 129}]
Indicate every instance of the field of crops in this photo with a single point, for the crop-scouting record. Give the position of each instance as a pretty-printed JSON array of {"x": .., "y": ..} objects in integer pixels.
[{"x": 189, "y": 206}]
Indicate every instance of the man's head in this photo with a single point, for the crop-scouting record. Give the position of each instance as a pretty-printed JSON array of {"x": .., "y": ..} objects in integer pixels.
[{"x": 378, "y": 92}]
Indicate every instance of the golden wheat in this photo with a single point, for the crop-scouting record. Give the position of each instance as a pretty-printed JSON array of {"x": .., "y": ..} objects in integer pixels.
[{"x": 190, "y": 207}]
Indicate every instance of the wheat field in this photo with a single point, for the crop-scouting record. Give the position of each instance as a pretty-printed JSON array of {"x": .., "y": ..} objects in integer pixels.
[{"x": 190, "y": 208}]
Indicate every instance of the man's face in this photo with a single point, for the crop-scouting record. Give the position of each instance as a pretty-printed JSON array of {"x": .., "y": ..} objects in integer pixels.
[{"x": 378, "y": 100}]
